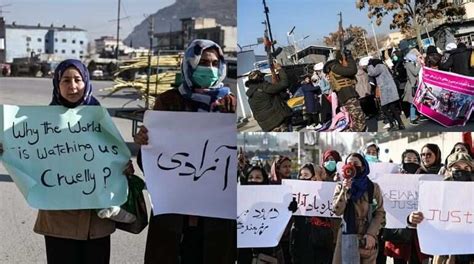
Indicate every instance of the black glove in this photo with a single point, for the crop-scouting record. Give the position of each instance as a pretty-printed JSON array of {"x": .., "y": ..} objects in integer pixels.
[
  {"x": 347, "y": 53},
  {"x": 293, "y": 207}
]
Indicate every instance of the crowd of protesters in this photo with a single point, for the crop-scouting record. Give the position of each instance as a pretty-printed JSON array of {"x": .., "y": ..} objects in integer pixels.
[
  {"x": 343, "y": 93},
  {"x": 359, "y": 201}
]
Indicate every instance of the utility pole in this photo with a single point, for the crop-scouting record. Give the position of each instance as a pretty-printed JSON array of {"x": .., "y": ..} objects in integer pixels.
[
  {"x": 150, "y": 53},
  {"x": 118, "y": 32},
  {"x": 375, "y": 37},
  {"x": 365, "y": 42},
  {"x": 266, "y": 11}
]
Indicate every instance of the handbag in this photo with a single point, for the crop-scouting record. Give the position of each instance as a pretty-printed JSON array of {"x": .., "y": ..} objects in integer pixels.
[
  {"x": 136, "y": 205},
  {"x": 398, "y": 236}
]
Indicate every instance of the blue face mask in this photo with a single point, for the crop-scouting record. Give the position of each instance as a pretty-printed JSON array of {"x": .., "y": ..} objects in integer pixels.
[
  {"x": 330, "y": 165},
  {"x": 394, "y": 58},
  {"x": 205, "y": 77},
  {"x": 371, "y": 158}
]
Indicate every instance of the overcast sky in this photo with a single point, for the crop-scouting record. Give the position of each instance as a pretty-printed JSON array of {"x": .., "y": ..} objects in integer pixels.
[{"x": 92, "y": 15}]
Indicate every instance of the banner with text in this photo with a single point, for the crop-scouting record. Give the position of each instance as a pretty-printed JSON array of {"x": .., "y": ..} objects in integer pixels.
[
  {"x": 400, "y": 196},
  {"x": 262, "y": 214},
  {"x": 445, "y": 97},
  {"x": 63, "y": 158},
  {"x": 448, "y": 224},
  {"x": 190, "y": 163},
  {"x": 314, "y": 198}
]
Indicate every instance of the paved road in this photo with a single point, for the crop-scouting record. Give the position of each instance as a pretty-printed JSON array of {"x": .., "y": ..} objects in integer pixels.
[
  {"x": 377, "y": 126},
  {"x": 18, "y": 242}
]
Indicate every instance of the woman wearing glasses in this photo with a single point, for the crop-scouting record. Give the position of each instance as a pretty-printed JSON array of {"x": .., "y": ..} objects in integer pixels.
[{"x": 430, "y": 159}]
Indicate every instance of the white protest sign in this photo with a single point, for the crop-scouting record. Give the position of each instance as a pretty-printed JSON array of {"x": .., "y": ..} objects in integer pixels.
[
  {"x": 190, "y": 163},
  {"x": 379, "y": 168},
  {"x": 448, "y": 224},
  {"x": 262, "y": 214},
  {"x": 400, "y": 196},
  {"x": 314, "y": 198}
]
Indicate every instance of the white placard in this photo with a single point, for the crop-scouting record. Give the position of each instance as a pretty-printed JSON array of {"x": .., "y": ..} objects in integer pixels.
[
  {"x": 380, "y": 168},
  {"x": 189, "y": 163},
  {"x": 262, "y": 214},
  {"x": 314, "y": 198},
  {"x": 400, "y": 196},
  {"x": 448, "y": 210}
]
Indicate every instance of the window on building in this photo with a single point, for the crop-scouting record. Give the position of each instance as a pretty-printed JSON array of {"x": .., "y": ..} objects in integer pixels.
[
  {"x": 55, "y": 51},
  {"x": 64, "y": 40},
  {"x": 73, "y": 41},
  {"x": 39, "y": 50},
  {"x": 46, "y": 40},
  {"x": 28, "y": 39},
  {"x": 55, "y": 40},
  {"x": 81, "y": 52},
  {"x": 63, "y": 51},
  {"x": 46, "y": 51},
  {"x": 39, "y": 39},
  {"x": 28, "y": 50},
  {"x": 73, "y": 51},
  {"x": 81, "y": 57},
  {"x": 81, "y": 42}
]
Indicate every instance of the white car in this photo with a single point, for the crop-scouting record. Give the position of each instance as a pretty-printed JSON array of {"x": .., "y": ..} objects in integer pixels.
[{"x": 98, "y": 73}]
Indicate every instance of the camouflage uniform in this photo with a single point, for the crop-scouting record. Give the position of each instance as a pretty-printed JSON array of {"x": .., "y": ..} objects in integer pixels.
[
  {"x": 357, "y": 115},
  {"x": 342, "y": 81}
]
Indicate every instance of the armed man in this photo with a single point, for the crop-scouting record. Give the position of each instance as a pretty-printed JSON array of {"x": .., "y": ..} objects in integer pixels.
[{"x": 341, "y": 73}]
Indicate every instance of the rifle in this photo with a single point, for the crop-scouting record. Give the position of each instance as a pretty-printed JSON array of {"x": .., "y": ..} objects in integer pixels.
[
  {"x": 268, "y": 49},
  {"x": 341, "y": 40}
]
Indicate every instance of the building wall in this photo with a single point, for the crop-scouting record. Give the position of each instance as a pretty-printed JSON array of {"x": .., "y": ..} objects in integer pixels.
[
  {"x": 230, "y": 39},
  {"x": 70, "y": 44},
  {"x": 63, "y": 44},
  {"x": 21, "y": 42},
  {"x": 2, "y": 40},
  {"x": 469, "y": 6}
]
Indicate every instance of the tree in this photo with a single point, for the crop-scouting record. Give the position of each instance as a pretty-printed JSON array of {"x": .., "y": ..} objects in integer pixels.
[
  {"x": 357, "y": 45},
  {"x": 412, "y": 15}
]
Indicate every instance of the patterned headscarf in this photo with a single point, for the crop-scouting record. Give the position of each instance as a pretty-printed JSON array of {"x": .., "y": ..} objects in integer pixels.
[
  {"x": 275, "y": 177},
  {"x": 87, "y": 99},
  {"x": 205, "y": 97}
]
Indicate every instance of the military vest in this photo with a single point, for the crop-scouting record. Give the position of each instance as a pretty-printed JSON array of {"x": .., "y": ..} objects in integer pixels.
[{"x": 339, "y": 82}]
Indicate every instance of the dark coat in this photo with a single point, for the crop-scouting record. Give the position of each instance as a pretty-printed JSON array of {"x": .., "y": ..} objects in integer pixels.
[
  {"x": 350, "y": 72},
  {"x": 268, "y": 108},
  {"x": 458, "y": 62},
  {"x": 214, "y": 235}
]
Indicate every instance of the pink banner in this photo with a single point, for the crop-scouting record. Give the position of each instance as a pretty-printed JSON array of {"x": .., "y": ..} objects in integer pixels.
[{"x": 445, "y": 97}]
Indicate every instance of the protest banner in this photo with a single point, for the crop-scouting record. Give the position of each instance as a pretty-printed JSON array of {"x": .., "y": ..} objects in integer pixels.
[
  {"x": 448, "y": 224},
  {"x": 445, "y": 97},
  {"x": 314, "y": 198},
  {"x": 190, "y": 163},
  {"x": 400, "y": 196},
  {"x": 64, "y": 158},
  {"x": 262, "y": 214}
]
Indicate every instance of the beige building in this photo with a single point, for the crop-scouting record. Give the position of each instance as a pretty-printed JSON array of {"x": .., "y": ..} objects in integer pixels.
[{"x": 199, "y": 28}]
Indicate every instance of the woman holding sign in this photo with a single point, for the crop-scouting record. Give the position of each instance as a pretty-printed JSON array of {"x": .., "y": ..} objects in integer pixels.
[
  {"x": 193, "y": 239},
  {"x": 459, "y": 167},
  {"x": 360, "y": 202},
  {"x": 74, "y": 236},
  {"x": 311, "y": 238}
]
